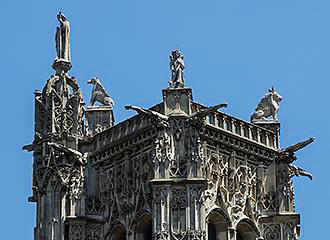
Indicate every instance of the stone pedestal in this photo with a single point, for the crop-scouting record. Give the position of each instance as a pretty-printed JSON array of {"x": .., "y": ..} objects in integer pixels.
[
  {"x": 99, "y": 118},
  {"x": 61, "y": 65},
  {"x": 273, "y": 126},
  {"x": 177, "y": 101}
]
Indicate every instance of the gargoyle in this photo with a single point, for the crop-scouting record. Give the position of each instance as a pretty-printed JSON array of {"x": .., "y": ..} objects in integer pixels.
[
  {"x": 78, "y": 156},
  {"x": 30, "y": 147},
  {"x": 297, "y": 171},
  {"x": 288, "y": 154},
  {"x": 198, "y": 118},
  {"x": 159, "y": 118}
]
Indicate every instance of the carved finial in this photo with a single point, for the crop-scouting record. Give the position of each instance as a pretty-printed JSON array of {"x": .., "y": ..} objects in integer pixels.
[
  {"x": 99, "y": 93},
  {"x": 268, "y": 106},
  {"x": 177, "y": 69}
]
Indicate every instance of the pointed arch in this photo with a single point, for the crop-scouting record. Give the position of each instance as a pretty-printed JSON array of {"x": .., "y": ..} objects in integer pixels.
[
  {"x": 117, "y": 232},
  {"x": 218, "y": 223},
  {"x": 246, "y": 229},
  {"x": 143, "y": 226}
]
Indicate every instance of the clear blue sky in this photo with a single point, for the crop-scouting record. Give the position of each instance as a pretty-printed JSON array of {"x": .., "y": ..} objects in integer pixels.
[{"x": 234, "y": 51}]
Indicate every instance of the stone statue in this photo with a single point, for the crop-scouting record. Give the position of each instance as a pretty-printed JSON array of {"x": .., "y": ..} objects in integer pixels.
[
  {"x": 288, "y": 154},
  {"x": 177, "y": 69},
  {"x": 268, "y": 106},
  {"x": 160, "y": 119},
  {"x": 79, "y": 157},
  {"x": 206, "y": 111},
  {"x": 198, "y": 118},
  {"x": 147, "y": 112},
  {"x": 63, "y": 38},
  {"x": 297, "y": 171},
  {"x": 99, "y": 94}
]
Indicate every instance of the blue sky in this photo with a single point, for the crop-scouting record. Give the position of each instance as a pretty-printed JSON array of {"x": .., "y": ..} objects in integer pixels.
[{"x": 234, "y": 51}]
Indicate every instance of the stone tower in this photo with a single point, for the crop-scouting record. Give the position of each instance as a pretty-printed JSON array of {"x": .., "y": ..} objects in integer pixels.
[{"x": 176, "y": 171}]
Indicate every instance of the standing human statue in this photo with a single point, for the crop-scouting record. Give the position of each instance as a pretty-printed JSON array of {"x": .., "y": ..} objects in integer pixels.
[
  {"x": 63, "y": 38},
  {"x": 177, "y": 69}
]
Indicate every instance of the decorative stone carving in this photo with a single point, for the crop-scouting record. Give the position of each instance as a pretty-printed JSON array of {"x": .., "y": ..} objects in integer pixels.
[
  {"x": 297, "y": 171},
  {"x": 272, "y": 231},
  {"x": 177, "y": 69},
  {"x": 268, "y": 106},
  {"x": 78, "y": 231},
  {"x": 197, "y": 234},
  {"x": 72, "y": 174},
  {"x": 288, "y": 154},
  {"x": 99, "y": 94},
  {"x": 77, "y": 156},
  {"x": 198, "y": 118},
  {"x": 63, "y": 38},
  {"x": 159, "y": 119},
  {"x": 168, "y": 173},
  {"x": 288, "y": 231},
  {"x": 179, "y": 204},
  {"x": 94, "y": 205}
]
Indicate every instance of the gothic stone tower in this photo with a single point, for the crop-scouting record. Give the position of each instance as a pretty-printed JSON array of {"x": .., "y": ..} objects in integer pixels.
[{"x": 177, "y": 171}]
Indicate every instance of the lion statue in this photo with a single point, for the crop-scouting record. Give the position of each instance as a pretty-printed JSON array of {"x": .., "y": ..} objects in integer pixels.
[{"x": 268, "y": 106}]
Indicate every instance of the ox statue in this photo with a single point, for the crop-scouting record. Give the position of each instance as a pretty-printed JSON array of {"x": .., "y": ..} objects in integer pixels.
[
  {"x": 99, "y": 94},
  {"x": 268, "y": 106}
]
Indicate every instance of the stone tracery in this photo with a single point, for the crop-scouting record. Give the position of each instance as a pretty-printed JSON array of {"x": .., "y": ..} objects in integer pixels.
[{"x": 172, "y": 172}]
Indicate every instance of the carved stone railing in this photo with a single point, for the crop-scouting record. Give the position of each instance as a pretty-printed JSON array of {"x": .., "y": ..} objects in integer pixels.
[
  {"x": 123, "y": 129},
  {"x": 243, "y": 129},
  {"x": 121, "y": 137}
]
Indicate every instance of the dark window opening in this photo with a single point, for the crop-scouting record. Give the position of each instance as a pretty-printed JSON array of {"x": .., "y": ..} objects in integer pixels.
[
  {"x": 238, "y": 236},
  {"x": 144, "y": 228},
  {"x": 211, "y": 233}
]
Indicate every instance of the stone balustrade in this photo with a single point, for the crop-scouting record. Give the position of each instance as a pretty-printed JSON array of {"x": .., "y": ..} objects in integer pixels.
[{"x": 243, "y": 129}]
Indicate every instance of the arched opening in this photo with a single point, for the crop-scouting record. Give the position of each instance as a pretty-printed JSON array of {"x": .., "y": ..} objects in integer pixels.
[
  {"x": 211, "y": 232},
  {"x": 244, "y": 231},
  {"x": 217, "y": 227},
  {"x": 238, "y": 236},
  {"x": 118, "y": 233},
  {"x": 144, "y": 228}
]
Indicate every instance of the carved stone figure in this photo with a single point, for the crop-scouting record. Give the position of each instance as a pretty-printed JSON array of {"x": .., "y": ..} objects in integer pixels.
[
  {"x": 147, "y": 112},
  {"x": 160, "y": 119},
  {"x": 177, "y": 69},
  {"x": 198, "y": 118},
  {"x": 268, "y": 106},
  {"x": 206, "y": 111},
  {"x": 288, "y": 154},
  {"x": 78, "y": 156},
  {"x": 297, "y": 171},
  {"x": 99, "y": 93},
  {"x": 63, "y": 38}
]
